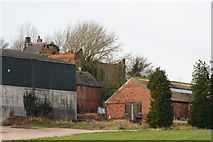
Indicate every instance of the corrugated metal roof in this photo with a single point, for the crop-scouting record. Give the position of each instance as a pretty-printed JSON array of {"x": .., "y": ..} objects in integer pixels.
[
  {"x": 177, "y": 90},
  {"x": 86, "y": 79},
  {"x": 180, "y": 97},
  {"x": 177, "y": 85},
  {"x": 176, "y": 96},
  {"x": 29, "y": 56}
]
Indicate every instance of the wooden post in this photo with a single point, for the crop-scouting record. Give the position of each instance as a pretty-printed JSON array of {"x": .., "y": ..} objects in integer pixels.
[{"x": 132, "y": 111}]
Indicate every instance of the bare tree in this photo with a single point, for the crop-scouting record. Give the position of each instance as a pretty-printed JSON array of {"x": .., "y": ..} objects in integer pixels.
[
  {"x": 139, "y": 66},
  {"x": 96, "y": 43},
  {"x": 58, "y": 39},
  {"x": 25, "y": 30},
  {"x": 3, "y": 44}
]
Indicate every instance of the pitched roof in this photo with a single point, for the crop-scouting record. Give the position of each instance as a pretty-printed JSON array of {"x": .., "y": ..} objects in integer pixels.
[
  {"x": 36, "y": 48},
  {"x": 28, "y": 56},
  {"x": 86, "y": 79},
  {"x": 174, "y": 84},
  {"x": 181, "y": 97},
  {"x": 176, "y": 96}
]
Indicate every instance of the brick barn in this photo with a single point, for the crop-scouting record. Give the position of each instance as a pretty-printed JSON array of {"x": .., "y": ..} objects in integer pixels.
[
  {"x": 88, "y": 93},
  {"x": 132, "y": 100}
]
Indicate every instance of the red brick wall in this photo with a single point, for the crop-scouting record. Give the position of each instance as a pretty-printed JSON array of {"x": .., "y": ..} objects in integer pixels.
[
  {"x": 132, "y": 91},
  {"x": 115, "y": 110},
  {"x": 88, "y": 99}
]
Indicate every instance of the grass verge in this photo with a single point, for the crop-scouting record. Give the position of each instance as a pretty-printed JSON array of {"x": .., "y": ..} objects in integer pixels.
[{"x": 140, "y": 135}]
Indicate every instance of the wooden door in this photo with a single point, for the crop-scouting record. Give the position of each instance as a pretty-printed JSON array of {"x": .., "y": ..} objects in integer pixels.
[{"x": 133, "y": 110}]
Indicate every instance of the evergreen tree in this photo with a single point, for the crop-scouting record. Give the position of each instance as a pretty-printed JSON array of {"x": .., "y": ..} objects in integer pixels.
[
  {"x": 161, "y": 111},
  {"x": 211, "y": 101},
  {"x": 200, "y": 114}
]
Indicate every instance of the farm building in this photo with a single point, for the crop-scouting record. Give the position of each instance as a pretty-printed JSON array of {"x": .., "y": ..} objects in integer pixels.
[
  {"x": 48, "y": 79},
  {"x": 88, "y": 93},
  {"x": 133, "y": 100}
]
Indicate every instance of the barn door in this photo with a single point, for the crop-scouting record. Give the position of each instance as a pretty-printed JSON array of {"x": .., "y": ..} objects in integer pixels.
[
  {"x": 128, "y": 109},
  {"x": 133, "y": 110}
]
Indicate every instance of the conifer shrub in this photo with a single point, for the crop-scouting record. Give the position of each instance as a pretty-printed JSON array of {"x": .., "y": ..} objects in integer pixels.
[
  {"x": 201, "y": 107},
  {"x": 161, "y": 111}
]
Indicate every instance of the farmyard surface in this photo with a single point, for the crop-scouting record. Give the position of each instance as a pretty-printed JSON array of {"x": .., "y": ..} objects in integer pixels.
[{"x": 9, "y": 133}]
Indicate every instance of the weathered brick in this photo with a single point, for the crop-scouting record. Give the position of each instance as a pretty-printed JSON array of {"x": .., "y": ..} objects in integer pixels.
[{"x": 130, "y": 92}]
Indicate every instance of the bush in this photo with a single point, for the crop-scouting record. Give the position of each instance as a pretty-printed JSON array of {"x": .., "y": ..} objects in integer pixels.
[{"x": 35, "y": 108}]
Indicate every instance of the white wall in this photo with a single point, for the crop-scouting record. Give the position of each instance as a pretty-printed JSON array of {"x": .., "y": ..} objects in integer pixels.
[{"x": 63, "y": 102}]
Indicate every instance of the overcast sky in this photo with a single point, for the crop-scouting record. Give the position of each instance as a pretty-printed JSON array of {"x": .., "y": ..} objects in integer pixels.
[{"x": 173, "y": 35}]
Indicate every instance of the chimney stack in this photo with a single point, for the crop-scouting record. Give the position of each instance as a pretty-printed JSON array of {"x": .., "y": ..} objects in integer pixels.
[
  {"x": 27, "y": 42},
  {"x": 39, "y": 39}
]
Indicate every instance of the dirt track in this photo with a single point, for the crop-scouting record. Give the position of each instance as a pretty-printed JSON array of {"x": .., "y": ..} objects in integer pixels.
[{"x": 9, "y": 133}]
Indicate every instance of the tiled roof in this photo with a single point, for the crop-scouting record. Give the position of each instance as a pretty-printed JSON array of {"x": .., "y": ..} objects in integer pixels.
[
  {"x": 86, "y": 79},
  {"x": 29, "y": 56},
  {"x": 36, "y": 48}
]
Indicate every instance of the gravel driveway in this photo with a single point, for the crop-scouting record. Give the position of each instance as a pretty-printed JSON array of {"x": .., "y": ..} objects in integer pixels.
[{"x": 9, "y": 133}]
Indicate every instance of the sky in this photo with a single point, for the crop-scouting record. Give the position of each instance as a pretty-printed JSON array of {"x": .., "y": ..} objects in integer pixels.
[{"x": 172, "y": 34}]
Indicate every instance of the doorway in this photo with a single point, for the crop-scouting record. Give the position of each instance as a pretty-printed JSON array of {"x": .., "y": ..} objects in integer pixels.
[{"x": 133, "y": 110}]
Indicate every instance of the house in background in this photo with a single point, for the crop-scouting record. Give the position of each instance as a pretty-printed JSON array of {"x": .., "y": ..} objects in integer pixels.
[
  {"x": 47, "y": 78},
  {"x": 133, "y": 99},
  {"x": 88, "y": 91},
  {"x": 40, "y": 47},
  {"x": 70, "y": 56}
]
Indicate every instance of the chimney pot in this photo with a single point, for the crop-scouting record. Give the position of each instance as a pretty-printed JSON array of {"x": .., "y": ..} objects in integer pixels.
[
  {"x": 39, "y": 39},
  {"x": 27, "y": 42}
]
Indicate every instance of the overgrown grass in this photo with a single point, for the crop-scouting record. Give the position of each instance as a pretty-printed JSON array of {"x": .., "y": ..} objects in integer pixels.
[
  {"x": 94, "y": 125},
  {"x": 140, "y": 135}
]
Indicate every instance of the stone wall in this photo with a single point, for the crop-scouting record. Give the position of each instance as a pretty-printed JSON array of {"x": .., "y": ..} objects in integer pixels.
[{"x": 63, "y": 102}]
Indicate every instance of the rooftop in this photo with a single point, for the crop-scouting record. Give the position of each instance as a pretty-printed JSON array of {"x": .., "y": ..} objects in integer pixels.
[
  {"x": 174, "y": 84},
  {"x": 29, "y": 56},
  {"x": 181, "y": 92},
  {"x": 86, "y": 79}
]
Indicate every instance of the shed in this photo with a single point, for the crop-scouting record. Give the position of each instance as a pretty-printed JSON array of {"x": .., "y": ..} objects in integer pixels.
[
  {"x": 88, "y": 91},
  {"x": 133, "y": 100}
]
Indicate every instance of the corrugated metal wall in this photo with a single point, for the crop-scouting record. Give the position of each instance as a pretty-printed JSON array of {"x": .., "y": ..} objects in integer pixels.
[{"x": 38, "y": 74}]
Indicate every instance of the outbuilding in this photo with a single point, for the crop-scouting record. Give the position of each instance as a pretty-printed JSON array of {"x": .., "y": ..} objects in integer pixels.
[
  {"x": 88, "y": 91},
  {"x": 49, "y": 79},
  {"x": 132, "y": 100}
]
